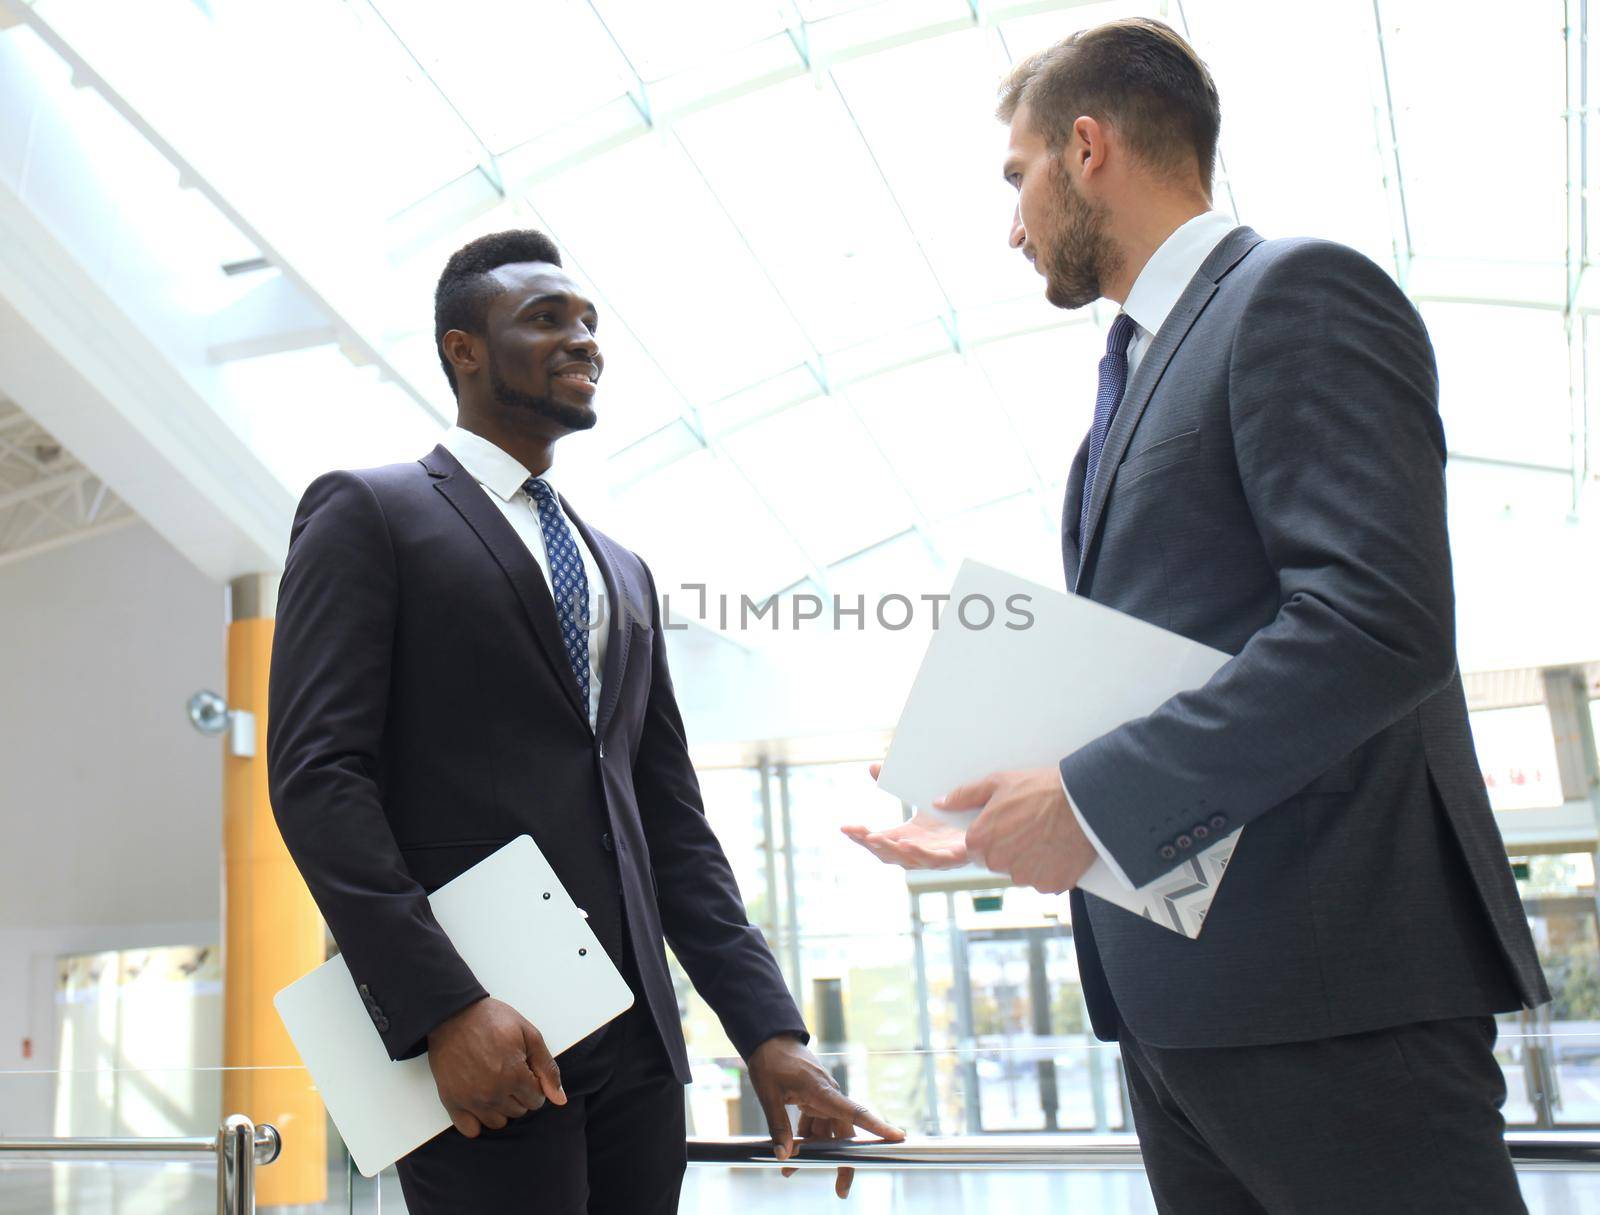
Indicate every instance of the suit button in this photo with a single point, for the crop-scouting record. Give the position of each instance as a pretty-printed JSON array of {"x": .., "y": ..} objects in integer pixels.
[
  {"x": 383, "y": 1025},
  {"x": 1168, "y": 852},
  {"x": 363, "y": 990},
  {"x": 1200, "y": 831},
  {"x": 602, "y": 750},
  {"x": 1183, "y": 841},
  {"x": 1218, "y": 822},
  {"x": 605, "y": 842}
]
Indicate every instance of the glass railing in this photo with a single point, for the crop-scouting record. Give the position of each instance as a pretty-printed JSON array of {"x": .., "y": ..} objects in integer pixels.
[
  {"x": 1052, "y": 1173},
  {"x": 1050, "y": 1115},
  {"x": 154, "y": 1141},
  {"x": 1552, "y": 1075}
]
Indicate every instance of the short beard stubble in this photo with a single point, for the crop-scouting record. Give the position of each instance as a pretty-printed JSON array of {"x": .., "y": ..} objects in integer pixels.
[
  {"x": 1082, "y": 255},
  {"x": 569, "y": 417}
]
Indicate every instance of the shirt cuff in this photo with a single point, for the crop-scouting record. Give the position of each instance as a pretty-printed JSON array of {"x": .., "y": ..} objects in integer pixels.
[{"x": 1088, "y": 831}]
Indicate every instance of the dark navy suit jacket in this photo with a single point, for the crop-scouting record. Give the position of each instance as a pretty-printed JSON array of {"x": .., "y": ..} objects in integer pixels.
[
  {"x": 423, "y": 713},
  {"x": 1273, "y": 485}
]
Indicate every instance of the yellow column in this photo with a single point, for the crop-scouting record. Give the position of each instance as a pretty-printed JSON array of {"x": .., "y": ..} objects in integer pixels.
[{"x": 272, "y": 931}]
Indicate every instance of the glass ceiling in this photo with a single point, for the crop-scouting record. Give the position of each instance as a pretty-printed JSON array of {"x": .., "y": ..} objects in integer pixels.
[{"x": 824, "y": 366}]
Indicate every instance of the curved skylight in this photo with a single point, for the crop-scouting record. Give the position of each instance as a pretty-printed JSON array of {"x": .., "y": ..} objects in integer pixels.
[{"x": 825, "y": 367}]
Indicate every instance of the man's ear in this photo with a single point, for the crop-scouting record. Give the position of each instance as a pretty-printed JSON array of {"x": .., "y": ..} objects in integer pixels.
[
  {"x": 1088, "y": 147},
  {"x": 461, "y": 348}
]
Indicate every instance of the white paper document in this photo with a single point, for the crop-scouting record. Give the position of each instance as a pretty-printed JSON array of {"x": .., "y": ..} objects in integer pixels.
[
  {"x": 514, "y": 924},
  {"x": 1004, "y": 696}
]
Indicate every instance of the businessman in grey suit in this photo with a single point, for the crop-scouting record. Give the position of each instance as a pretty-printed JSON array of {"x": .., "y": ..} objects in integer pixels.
[{"x": 1265, "y": 474}]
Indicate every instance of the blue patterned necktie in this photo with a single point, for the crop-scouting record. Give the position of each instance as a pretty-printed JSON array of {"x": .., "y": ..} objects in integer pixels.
[
  {"x": 568, "y": 583},
  {"x": 1113, "y": 379}
]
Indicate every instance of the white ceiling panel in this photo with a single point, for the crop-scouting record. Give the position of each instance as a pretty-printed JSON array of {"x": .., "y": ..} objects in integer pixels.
[
  {"x": 802, "y": 188},
  {"x": 1502, "y": 381},
  {"x": 1047, "y": 382},
  {"x": 1300, "y": 133},
  {"x": 1483, "y": 175},
  {"x": 825, "y": 477},
  {"x": 697, "y": 521},
  {"x": 942, "y": 156},
  {"x": 648, "y": 232},
  {"x": 660, "y": 39},
  {"x": 512, "y": 71},
  {"x": 946, "y": 434}
]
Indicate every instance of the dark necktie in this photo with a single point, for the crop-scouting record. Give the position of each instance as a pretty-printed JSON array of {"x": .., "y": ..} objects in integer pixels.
[
  {"x": 1113, "y": 379},
  {"x": 568, "y": 583}
]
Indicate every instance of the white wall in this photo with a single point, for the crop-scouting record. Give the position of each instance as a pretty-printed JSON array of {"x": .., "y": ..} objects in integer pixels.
[{"x": 110, "y": 803}]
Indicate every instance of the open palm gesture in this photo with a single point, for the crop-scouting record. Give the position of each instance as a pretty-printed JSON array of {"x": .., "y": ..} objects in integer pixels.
[{"x": 921, "y": 842}]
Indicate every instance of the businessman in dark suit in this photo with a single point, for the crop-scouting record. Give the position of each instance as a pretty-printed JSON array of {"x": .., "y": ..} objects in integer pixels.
[
  {"x": 1265, "y": 474},
  {"x": 436, "y": 691}
]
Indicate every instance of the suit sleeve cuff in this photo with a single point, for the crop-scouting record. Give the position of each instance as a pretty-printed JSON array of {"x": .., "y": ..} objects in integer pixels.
[
  {"x": 1088, "y": 831},
  {"x": 748, "y": 1041}
]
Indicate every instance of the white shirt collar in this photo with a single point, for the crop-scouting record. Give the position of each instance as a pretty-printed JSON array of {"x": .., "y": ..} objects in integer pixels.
[
  {"x": 501, "y": 474},
  {"x": 1156, "y": 291}
]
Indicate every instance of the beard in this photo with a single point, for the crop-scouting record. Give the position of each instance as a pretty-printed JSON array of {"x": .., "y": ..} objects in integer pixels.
[
  {"x": 1083, "y": 255},
  {"x": 564, "y": 413}
]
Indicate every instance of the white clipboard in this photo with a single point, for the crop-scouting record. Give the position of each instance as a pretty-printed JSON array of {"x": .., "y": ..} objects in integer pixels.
[
  {"x": 989, "y": 699},
  {"x": 514, "y": 924}
]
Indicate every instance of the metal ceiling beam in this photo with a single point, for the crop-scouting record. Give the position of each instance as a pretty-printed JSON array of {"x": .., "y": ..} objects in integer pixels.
[
  {"x": 1221, "y": 166},
  {"x": 11, "y": 556},
  {"x": 799, "y": 50},
  {"x": 14, "y": 421},
  {"x": 1462, "y": 457},
  {"x": 79, "y": 366},
  {"x": 819, "y": 371},
  {"x": 799, "y": 31},
  {"x": 638, "y": 92},
  {"x": 63, "y": 505},
  {"x": 1387, "y": 131},
  {"x": 689, "y": 414},
  {"x": 271, "y": 318},
  {"x": 870, "y": 372},
  {"x": 61, "y": 482},
  {"x": 1576, "y": 118},
  {"x": 952, "y": 317},
  {"x": 488, "y": 163},
  {"x": 362, "y": 349}
]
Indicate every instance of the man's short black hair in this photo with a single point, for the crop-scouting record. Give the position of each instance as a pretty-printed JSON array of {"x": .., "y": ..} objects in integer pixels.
[{"x": 461, "y": 300}]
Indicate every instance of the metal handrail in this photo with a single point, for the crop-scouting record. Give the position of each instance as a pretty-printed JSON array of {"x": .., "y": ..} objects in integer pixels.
[
  {"x": 1540, "y": 1149},
  {"x": 239, "y": 1146}
]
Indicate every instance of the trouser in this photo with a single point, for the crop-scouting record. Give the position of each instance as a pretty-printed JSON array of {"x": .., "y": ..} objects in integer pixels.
[
  {"x": 615, "y": 1148},
  {"x": 1398, "y": 1120}
]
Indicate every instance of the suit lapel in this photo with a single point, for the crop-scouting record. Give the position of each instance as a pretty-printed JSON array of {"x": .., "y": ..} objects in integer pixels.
[
  {"x": 618, "y": 632},
  {"x": 511, "y": 554},
  {"x": 1137, "y": 396},
  {"x": 1072, "y": 512}
]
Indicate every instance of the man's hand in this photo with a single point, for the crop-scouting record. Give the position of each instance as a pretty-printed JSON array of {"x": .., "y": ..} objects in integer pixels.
[
  {"x": 1026, "y": 830},
  {"x": 921, "y": 842},
  {"x": 783, "y": 1072},
  {"x": 491, "y": 1065}
]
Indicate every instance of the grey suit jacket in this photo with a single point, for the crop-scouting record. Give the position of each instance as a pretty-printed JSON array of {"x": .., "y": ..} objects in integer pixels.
[{"x": 1273, "y": 485}]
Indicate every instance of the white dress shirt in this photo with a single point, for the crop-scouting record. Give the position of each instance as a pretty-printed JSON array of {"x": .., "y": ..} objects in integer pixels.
[
  {"x": 1150, "y": 301},
  {"x": 502, "y": 479},
  {"x": 1156, "y": 291}
]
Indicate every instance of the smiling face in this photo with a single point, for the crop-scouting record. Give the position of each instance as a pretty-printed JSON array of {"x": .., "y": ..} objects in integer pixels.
[
  {"x": 1062, "y": 231},
  {"x": 540, "y": 351}
]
